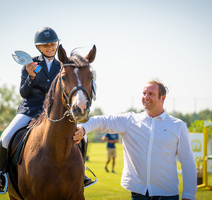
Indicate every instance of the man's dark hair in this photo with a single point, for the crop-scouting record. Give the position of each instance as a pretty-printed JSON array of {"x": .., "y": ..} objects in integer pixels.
[{"x": 162, "y": 88}]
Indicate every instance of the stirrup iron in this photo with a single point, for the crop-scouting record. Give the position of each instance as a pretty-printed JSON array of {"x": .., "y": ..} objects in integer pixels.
[{"x": 6, "y": 184}]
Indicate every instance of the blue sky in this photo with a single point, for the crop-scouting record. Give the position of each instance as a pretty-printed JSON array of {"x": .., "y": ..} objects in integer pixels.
[{"x": 136, "y": 41}]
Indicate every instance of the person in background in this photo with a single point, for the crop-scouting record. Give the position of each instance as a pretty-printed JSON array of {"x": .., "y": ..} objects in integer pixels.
[
  {"x": 152, "y": 140},
  {"x": 111, "y": 139}
]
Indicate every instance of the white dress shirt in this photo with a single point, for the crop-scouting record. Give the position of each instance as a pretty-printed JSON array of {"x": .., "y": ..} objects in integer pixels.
[{"x": 150, "y": 147}]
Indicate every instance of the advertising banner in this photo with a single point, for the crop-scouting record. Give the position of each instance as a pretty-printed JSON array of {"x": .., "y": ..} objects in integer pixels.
[{"x": 196, "y": 140}]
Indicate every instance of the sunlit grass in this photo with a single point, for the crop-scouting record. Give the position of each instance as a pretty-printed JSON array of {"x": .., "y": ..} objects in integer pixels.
[{"x": 108, "y": 184}]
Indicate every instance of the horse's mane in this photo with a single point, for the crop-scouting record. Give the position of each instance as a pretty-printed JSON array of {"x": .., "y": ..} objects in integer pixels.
[
  {"x": 46, "y": 104},
  {"x": 75, "y": 60}
]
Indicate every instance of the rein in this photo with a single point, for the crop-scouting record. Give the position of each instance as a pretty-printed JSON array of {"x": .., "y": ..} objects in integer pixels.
[
  {"x": 67, "y": 99},
  {"x": 67, "y": 113}
]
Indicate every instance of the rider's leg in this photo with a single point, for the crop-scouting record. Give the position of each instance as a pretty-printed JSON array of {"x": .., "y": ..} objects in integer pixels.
[
  {"x": 3, "y": 158},
  {"x": 18, "y": 122}
]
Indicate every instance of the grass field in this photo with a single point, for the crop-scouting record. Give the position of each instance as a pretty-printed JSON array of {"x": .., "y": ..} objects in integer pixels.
[{"x": 108, "y": 184}]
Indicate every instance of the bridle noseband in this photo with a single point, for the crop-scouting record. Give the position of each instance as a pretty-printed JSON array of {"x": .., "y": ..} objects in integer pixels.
[{"x": 76, "y": 89}]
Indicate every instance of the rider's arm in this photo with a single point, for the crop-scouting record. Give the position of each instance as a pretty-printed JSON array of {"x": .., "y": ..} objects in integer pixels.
[{"x": 27, "y": 79}]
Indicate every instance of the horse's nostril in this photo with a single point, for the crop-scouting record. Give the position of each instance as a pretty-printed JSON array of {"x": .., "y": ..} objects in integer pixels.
[{"x": 78, "y": 109}]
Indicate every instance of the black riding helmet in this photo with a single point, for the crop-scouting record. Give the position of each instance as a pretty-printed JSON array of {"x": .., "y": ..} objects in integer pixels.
[{"x": 45, "y": 35}]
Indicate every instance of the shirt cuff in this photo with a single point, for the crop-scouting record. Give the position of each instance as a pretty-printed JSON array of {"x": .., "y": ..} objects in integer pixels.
[{"x": 83, "y": 126}]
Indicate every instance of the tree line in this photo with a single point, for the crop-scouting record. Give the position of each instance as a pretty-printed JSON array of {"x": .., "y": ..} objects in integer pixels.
[{"x": 10, "y": 100}]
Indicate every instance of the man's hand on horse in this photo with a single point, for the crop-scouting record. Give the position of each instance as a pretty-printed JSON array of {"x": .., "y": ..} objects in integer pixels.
[{"x": 78, "y": 135}]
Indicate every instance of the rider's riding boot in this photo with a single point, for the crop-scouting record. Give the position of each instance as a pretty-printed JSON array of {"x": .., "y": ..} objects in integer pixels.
[
  {"x": 3, "y": 159},
  {"x": 87, "y": 181}
]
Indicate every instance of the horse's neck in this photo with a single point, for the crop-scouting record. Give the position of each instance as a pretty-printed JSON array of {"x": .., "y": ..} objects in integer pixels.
[
  {"x": 59, "y": 134},
  {"x": 59, "y": 138}
]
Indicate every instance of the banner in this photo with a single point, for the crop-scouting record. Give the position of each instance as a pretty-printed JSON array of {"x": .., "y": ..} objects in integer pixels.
[{"x": 196, "y": 140}]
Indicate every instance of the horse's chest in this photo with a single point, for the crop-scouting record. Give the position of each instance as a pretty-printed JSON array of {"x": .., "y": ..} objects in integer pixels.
[
  {"x": 50, "y": 180},
  {"x": 56, "y": 185}
]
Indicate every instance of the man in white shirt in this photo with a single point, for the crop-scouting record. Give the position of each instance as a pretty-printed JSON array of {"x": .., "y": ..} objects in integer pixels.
[{"x": 151, "y": 142}]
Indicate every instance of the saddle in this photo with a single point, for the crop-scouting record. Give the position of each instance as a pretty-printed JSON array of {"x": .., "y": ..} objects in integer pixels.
[{"x": 15, "y": 152}]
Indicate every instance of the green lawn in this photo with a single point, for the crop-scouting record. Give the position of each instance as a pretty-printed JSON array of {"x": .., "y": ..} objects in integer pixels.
[{"x": 108, "y": 184}]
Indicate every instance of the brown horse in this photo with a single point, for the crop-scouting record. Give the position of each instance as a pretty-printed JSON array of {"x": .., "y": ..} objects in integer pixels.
[{"x": 52, "y": 166}]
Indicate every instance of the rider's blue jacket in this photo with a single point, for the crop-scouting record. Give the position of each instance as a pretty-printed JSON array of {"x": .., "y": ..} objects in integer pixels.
[{"x": 34, "y": 91}]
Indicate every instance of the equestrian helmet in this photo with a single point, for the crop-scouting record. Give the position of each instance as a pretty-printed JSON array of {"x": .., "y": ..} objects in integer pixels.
[{"x": 45, "y": 35}]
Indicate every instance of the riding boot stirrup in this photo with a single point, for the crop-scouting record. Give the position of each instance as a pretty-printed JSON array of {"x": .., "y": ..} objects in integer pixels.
[{"x": 3, "y": 183}]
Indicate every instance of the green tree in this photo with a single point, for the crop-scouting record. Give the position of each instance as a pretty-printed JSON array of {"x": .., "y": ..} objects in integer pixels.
[
  {"x": 187, "y": 118},
  {"x": 9, "y": 101},
  {"x": 190, "y": 118},
  {"x": 134, "y": 110},
  {"x": 97, "y": 111},
  {"x": 198, "y": 126},
  {"x": 204, "y": 115}
]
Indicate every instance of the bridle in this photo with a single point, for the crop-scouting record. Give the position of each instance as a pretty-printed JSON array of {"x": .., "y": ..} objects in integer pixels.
[{"x": 67, "y": 98}]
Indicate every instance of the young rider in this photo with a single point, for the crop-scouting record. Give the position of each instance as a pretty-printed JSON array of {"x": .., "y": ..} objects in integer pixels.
[{"x": 33, "y": 89}]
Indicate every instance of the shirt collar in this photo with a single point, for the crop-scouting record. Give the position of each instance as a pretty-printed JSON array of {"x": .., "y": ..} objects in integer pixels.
[
  {"x": 161, "y": 116},
  {"x": 48, "y": 61}
]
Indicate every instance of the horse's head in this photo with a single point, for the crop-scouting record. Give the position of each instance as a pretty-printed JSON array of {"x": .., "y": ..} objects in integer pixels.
[{"x": 77, "y": 79}]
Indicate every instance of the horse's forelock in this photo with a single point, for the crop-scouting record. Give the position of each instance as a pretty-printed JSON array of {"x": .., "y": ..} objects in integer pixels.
[{"x": 77, "y": 60}]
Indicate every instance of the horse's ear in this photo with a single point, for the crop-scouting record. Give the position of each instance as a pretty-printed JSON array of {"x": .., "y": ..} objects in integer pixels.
[
  {"x": 62, "y": 54},
  {"x": 92, "y": 54}
]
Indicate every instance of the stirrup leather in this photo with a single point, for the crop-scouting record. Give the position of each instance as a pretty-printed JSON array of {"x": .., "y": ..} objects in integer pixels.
[{"x": 6, "y": 184}]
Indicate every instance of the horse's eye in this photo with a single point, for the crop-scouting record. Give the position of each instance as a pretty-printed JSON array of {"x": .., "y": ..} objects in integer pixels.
[{"x": 63, "y": 78}]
